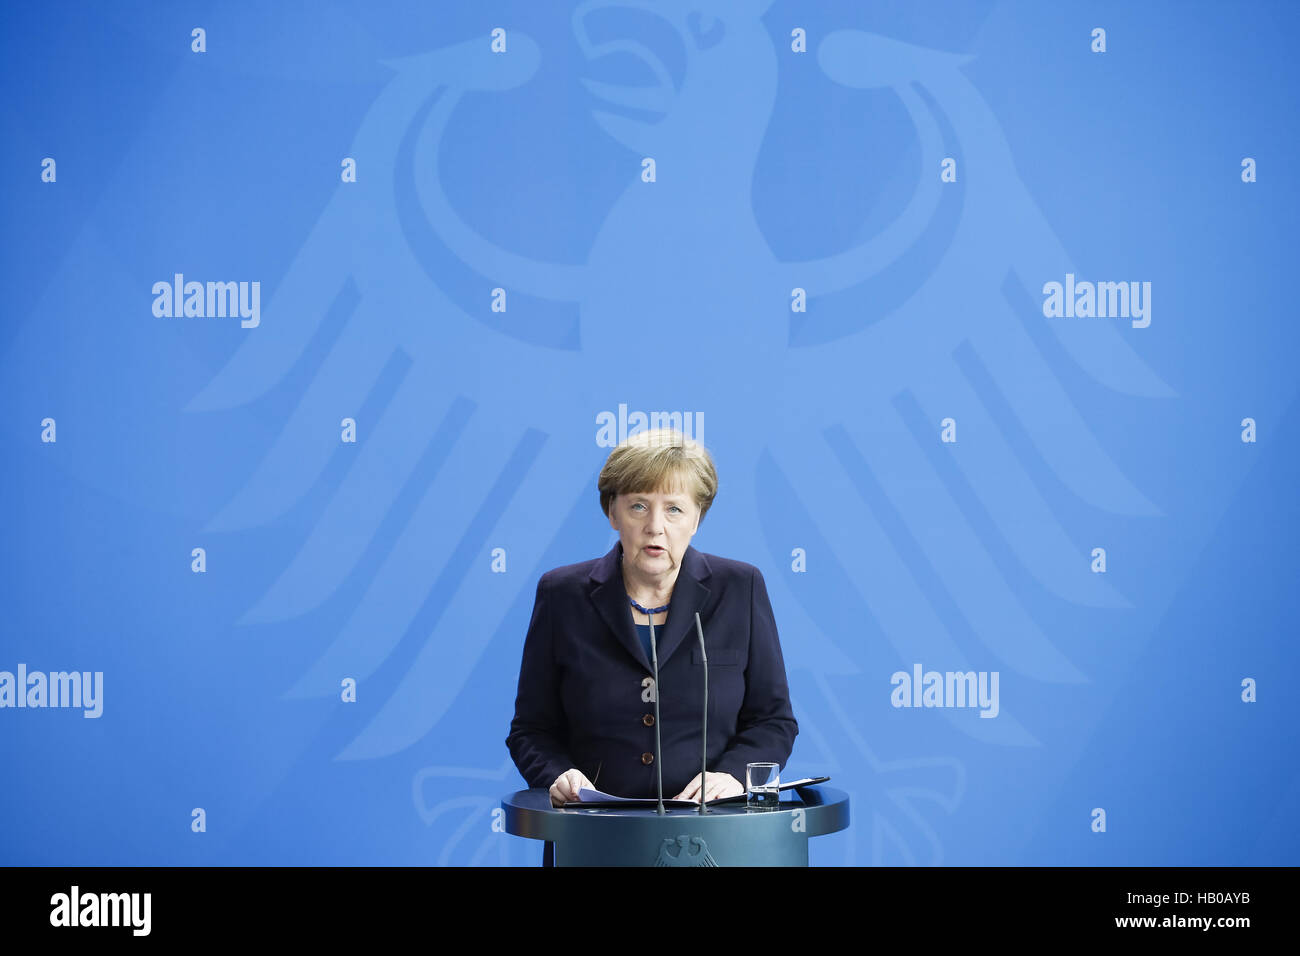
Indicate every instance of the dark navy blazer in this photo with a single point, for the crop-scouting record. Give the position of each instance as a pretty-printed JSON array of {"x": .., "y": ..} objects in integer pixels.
[{"x": 583, "y": 699}]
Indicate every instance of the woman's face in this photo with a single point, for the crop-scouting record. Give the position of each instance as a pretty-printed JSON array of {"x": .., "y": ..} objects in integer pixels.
[{"x": 655, "y": 529}]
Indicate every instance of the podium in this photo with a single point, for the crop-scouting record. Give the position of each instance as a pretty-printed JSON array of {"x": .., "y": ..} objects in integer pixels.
[{"x": 728, "y": 835}]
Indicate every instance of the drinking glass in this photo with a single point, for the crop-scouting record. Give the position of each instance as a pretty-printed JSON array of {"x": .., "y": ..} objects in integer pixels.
[{"x": 763, "y": 785}]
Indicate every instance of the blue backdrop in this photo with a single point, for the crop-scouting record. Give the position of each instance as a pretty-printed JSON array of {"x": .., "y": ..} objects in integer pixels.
[{"x": 460, "y": 239}]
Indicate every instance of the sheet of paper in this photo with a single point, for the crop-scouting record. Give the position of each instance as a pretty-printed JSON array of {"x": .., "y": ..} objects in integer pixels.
[{"x": 586, "y": 795}]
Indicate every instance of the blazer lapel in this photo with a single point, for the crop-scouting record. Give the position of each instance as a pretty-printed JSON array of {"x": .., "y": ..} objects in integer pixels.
[
  {"x": 689, "y": 595},
  {"x": 610, "y": 598}
]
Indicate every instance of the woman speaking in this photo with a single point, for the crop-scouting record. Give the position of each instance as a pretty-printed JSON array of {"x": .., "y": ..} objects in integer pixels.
[{"x": 584, "y": 712}]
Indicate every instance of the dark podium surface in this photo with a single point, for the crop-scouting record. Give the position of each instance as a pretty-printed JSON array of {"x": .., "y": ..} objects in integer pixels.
[{"x": 728, "y": 835}]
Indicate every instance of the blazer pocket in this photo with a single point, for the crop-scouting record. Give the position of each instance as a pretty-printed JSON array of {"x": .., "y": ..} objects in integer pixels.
[{"x": 719, "y": 658}]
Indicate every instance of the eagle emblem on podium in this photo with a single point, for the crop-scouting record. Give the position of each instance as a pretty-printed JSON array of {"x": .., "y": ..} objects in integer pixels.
[{"x": 685, "y": 851}]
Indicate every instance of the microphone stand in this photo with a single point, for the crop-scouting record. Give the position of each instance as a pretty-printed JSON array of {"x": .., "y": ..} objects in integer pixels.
[
  {"x": 704, "y": 752},
  {"x": 659, "y": 763}
]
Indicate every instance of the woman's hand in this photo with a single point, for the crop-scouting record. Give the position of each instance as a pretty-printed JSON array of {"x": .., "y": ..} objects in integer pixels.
[
  {"x": 566, "y": 787},
  {"x": 719, "y": 785}
]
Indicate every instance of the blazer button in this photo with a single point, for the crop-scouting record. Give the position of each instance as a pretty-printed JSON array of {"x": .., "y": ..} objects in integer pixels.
[
  {"x": 648, "y": 720},
  {"x": 647, "y": 758}
]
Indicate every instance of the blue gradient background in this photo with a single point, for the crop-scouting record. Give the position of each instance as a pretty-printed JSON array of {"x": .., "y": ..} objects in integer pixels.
[{"x": 477, "y": 429}]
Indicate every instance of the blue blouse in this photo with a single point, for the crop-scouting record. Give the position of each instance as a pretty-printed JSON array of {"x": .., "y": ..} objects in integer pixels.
[{"x": 643, "y": 632}]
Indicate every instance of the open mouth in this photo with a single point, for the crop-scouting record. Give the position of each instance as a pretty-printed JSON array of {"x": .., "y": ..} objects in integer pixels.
[{"x": 654, "y": 551}]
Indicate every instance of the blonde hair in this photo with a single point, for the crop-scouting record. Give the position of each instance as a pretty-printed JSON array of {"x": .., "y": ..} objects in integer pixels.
[{"x": 656, "y": 459}]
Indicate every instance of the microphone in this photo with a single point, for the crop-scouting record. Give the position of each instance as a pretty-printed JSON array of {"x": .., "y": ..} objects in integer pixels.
[
  {"x": 704, "y": 750},
  {"x": 659, "y": 756}
]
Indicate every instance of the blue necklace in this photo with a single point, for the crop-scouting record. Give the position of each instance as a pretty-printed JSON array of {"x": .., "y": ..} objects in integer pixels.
[{"x": 647, "y": 611}]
